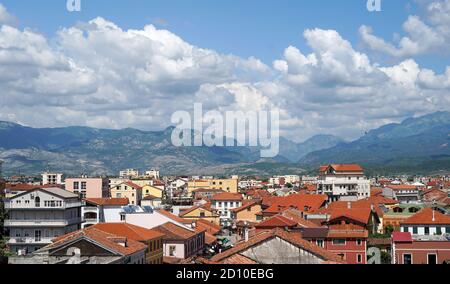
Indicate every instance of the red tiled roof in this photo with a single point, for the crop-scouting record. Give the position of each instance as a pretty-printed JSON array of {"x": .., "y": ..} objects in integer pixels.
[
  {"x": 174, "y": 217},
  {"x": 292, "y": 238},
  {"x": 151, "y": 197},
  {"x": 106, "y": 239},
  {"x": 247, "y": 204},
  {"x": 300, "y": 202},
  {"x": 239, "y": 259},
  {"x": 296, "y": 216},
  {"x": 22, "y": 187},
  {"x": 277, "y": 221},
  {"x": 133, "y": 185},
  {"x": 227, "y": 196},
  {"x": 400, "y": 237},
  {"x": 129, "y": 231},
  {"x": 108, "y": 201},
  {"x": 206, "y": 206},
  {"x": 208, "y": 226},
  {"x": 343, "y": 168},
  {"x": 175, "y": 232},
  {"x": 402, "y": 187},
  {"x": 425, "y": 217}
]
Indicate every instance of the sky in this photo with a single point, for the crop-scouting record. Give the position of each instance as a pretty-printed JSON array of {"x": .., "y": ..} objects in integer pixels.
[{"x": 329, "y": 67}]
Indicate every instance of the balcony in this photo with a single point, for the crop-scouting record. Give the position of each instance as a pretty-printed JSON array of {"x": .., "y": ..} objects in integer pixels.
[
  {"x": 41, "y": 223},
  {"x": 66, "y": 205},
  {"x": 90, "y": 209},
  {"x": 29, "y": 240}
]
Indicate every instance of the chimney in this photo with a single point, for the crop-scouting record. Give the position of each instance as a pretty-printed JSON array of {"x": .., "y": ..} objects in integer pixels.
[
  {"x": 246, "y": 233},
  {"x": 372, "y": 207},
  {"x": 434, "y": 216},
  {"x": 349, "y": 205}
]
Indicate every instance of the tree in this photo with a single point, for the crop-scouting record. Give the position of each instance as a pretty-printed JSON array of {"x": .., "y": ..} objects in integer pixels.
[
  {"x": 289, "y": 185},
  {"x": 4, "y": 252}
]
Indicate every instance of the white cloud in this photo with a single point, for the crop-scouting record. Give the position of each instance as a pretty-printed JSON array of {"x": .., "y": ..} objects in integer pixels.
[
  {"x": 5, "y": 16},
  {"x": 431, "y": 34},
  {"x": 99, "y": 75}
]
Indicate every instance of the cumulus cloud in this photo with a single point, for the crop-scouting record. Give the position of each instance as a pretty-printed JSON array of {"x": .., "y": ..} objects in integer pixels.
[
  {"x": 431, "y": 34},
  {"x": 5, "y": 16},
  {"x": 100, "y": 75}
]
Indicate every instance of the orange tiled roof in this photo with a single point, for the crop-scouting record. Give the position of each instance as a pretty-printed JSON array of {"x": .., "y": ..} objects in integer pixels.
[
  {"x": 425, "y": 217},
  {"x": 277, "y": 221},
  {"x": 206, "y": 206},
  {"x": 227, "y": 196},
  {"x": 300, "y": 202},
  {"x": 175, "y": 232},
  {"x": 108, "y": 201},
  {"x": 133, "y": 185},
  {"x": 129, "y": 231},
  {"x": 343, "y": 168},
  {"x": 105, "y": 239},
  {"x": 402, "y": 187},
  {"x": 293, "y": 238},
  {"x": 208, "y": 226},
  {"x": 296, "y": 216},
  {"x": 246, "y": 204}
]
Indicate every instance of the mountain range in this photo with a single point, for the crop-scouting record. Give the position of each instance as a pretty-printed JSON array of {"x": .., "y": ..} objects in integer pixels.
[{"x": 417, "y": 145}]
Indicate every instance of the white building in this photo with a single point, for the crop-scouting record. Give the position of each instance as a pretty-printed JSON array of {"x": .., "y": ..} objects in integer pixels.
[
  {"x": 223, "y": 203},
  {"x": 343, "y": 181},
  {"x": 40, "y": 215},
  {"x": 49, "y": 178},
  {"x": 129, "y": 173},
  {"x": 177, "y": 185},
  {"x": 102, "y": 210},
  {"x": 152, "y": 174},
  {"x": 427, "y": 224}
]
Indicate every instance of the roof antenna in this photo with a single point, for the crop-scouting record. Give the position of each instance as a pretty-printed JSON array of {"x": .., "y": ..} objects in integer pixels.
[{"x": 434, "y": 216}]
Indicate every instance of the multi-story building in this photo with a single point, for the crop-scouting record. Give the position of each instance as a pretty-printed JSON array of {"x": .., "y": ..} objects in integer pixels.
[
  {"x": 343, "y": 182},
  {"x": 2, "y": 181},
  {"x": 223, "y": 203},
  {"x": 36, "y": 217},
  {"x": 49, "y": 178},
  {"x": 127, "y": 190},
  {"x": 427, "y": 224},
  {"x": 129, "y": 173},
  {"x": 227, "y": 185},
  {"x": 153, "y": 173},
  {"x": 102, "y": 210},
  {"x": 88, "y": 187},
  {"x": 403, "y": 193},
  {"x": 408, "y": 250}
]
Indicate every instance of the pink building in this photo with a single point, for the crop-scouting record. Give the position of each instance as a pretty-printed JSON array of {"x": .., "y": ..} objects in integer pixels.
[{"x": 88, "y": 187}]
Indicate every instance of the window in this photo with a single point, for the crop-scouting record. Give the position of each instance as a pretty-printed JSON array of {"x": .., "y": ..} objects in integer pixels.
[
  {"x": 83, "y": 185},
  {"x": 359, "y": 242},
  {"x": 415, "y": 230},
  {"x": 320, "y": 243},
  {"x": 122, "y": 217},
  {"x": 438, "y": 231},
  {"x": 407, "y": 259},
  {"x": 359, "y": 260},
  {"x": 37, "y": 202},
  {"x": 202, "y": 214},
  {"x": 37, "y": 235},
  {"x": 172, "y": 250},
  {"x": 76, "y": 185},
  {"x": 447, "y": 229},
  {"x": 339, "y": 242},
  {"x": 427, "y": 231},
  {"x": 405, "y": 229},
  {"x": 432, "y": 259}
]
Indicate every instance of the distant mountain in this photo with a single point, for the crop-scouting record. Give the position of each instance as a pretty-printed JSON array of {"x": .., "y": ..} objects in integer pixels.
[
  {"x": 76, "y": 150},
  {"x": 420, "y": 144}
]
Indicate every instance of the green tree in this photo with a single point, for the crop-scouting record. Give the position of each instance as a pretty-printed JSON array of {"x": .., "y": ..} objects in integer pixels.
[{"x": 289, "y": 185}]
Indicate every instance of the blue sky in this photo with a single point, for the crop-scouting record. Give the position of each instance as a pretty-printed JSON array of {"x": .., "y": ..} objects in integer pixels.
[
  {"x": 260, "y": 28},
  {"x": 329, "y": 66}
]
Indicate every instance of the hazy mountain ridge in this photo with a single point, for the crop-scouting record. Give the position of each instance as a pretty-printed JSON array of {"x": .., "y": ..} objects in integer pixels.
[{"x": 78, "y": 150}]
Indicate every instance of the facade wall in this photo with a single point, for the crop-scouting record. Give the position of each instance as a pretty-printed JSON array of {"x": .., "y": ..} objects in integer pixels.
[
  {"x": 249, "y": 215},
  {"x": 126, "y": 191},
  {"x": 419, "y": 252},
  {"x": 350, "y": 250},
  {"x": 89, "y": 187}
]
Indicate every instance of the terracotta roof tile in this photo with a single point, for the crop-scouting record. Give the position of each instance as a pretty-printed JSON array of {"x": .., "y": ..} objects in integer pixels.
[
  {"x": 175, "y": 232},
  {"x": 129, "y": 231},
  {"x": 301, "y": 202},
  {"x": 108, "y": 201},
  {"x": 425, "y": 217},
  {"x": 227, "y": 196}
]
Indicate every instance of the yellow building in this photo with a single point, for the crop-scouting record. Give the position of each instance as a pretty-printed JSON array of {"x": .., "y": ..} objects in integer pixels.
[
  {"x": 203, "y": 212},
  {"x": 227, "y": 185},
  {"x": 142, "y": 181},
  {"x": 128, "y": 190},
  {"x": 148, "y": 190},
  {"x": 247, "y": 212}
]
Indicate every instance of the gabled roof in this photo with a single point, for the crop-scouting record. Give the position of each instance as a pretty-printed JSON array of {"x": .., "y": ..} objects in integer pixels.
[
  {"x": 292, "y": 238},
  {"x": 108, "y": 201},
  {"x": 206, "y": 206},
  {"x": 130, "y": 184},
  {"x": 425, "y": 217},
  {"x": 246, "y": 204},
  {"x": 107, "y": 240},
  {"x": 208, "y": 226},
  {"x": 277, "y": 221},
  {"x": 151, "y": 197},
  {"x": 361, "y": 215},
  {"x": 55, "y": 191},
  {"x": 227, "y": 196},
  {"x": 174, "y": 232},
  {"x": 129, "y": 231},
  {"x": 174, "y": 217},
  {"x": 296, "y": 216},
  {"x": 342, "y": 168}
]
